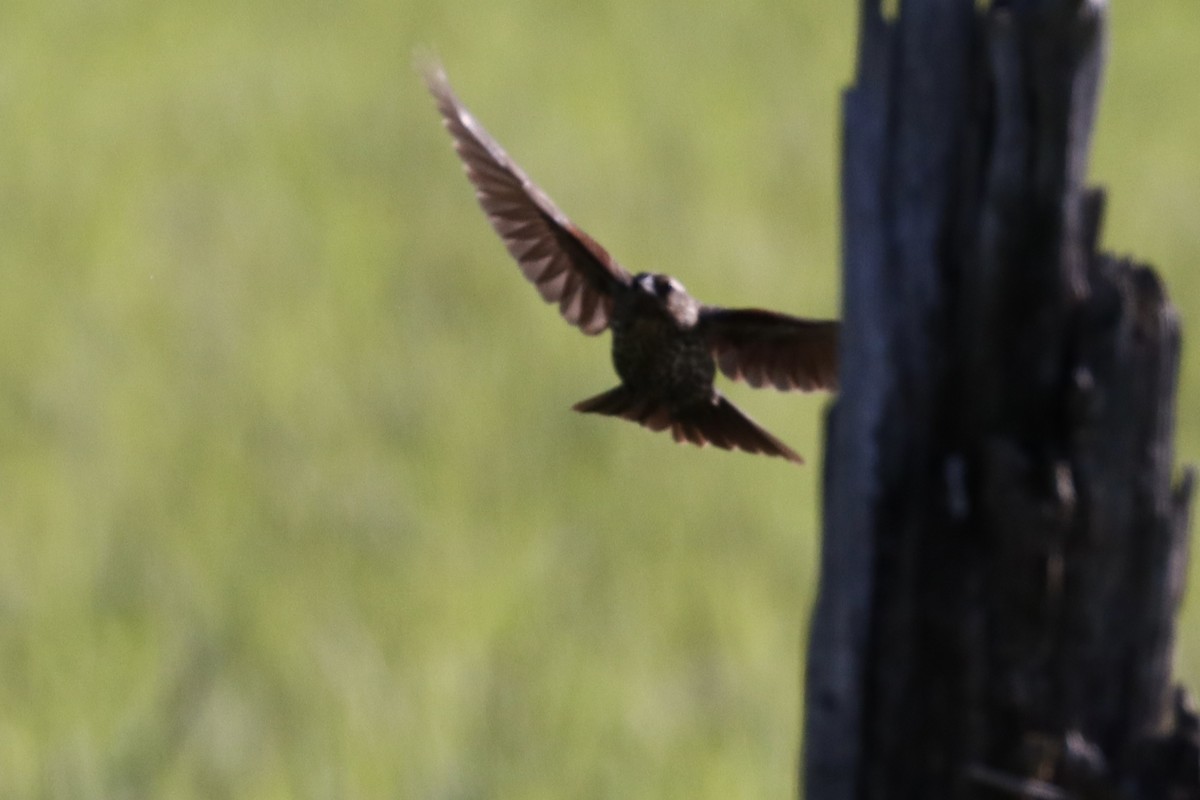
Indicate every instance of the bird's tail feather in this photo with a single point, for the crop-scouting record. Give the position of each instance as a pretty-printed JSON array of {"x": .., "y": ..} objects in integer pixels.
[{"x": 719, "y": 423}]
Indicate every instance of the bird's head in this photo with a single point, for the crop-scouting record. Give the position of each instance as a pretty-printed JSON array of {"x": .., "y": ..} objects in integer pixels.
[
  {"x": 658, "y": 285},
  {"x": 666, "y": 293}
]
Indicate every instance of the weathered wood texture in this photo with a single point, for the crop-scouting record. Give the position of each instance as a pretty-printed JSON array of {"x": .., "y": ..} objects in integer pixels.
[{"x": 1003, "y": 553}]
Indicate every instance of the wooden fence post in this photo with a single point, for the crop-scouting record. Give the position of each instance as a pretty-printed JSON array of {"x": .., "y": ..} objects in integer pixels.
[{"x": 1004, "y": 551}]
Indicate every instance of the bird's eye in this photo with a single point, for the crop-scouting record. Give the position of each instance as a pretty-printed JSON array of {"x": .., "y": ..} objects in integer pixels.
[{"x": 662, "y": 286}]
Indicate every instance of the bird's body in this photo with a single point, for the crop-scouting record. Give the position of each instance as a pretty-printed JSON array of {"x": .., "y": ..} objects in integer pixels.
[
  {"x": 666, "y": 346},
  {"x": 657, "y": 351}
]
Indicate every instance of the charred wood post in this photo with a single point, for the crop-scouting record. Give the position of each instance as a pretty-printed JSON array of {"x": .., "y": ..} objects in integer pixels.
[{"x": 1004, "y": 550}]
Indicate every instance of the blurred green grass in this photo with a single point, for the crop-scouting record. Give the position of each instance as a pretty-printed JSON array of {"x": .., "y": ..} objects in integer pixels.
[{"x": 291, "y": 501}]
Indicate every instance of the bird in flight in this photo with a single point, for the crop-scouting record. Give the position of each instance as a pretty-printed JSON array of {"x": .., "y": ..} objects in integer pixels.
[{"x": 666, "y": 345}]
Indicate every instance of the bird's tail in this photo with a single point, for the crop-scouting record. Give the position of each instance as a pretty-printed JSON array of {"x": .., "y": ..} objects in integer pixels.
[{"x": 719, "y": 422}]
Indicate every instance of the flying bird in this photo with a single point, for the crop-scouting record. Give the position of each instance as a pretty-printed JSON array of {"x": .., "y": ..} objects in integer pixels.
[{"x": 666, "y": 345}]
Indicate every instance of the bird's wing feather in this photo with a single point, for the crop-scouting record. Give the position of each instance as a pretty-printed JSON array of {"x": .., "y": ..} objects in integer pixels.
[
  {"x": 768, "y": 348},
  {"x": 567, "y": 266}
]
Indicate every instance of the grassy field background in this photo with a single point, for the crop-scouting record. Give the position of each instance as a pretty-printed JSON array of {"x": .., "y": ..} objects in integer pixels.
[{"x": 291, "y": 500}]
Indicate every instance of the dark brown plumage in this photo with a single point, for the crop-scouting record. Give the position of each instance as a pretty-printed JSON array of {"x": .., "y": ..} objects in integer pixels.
[{"x": 667, "y": 346}]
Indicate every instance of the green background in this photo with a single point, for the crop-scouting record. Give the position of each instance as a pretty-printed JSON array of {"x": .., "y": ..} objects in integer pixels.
[{"x": 292, "y": 503}]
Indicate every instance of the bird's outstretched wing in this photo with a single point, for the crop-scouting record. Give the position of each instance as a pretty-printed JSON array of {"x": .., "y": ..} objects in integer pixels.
[
  {"x": 719, "y": 423},
  {"x": 566, "y": 265},
  {"x": 768, "y": 348}
]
